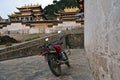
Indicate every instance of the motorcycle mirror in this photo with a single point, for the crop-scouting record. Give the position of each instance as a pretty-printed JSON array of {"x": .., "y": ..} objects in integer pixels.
[
  {"x": 46, "y": 39},
  {"x": 59, "y": 32}
]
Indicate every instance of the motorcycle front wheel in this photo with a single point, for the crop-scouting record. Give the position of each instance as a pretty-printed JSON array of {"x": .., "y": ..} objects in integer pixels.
[{"x": 54, "y": 66}]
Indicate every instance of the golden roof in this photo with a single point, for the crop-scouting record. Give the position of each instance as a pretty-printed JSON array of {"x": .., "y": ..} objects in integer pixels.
[
  {"x": 72, "y": 9},
  {"x": 31, "y": 5},
  {"x": 26, "y": 14},
  {"x": 13, "y": 15},
  {"x": 27, "y": 9}
]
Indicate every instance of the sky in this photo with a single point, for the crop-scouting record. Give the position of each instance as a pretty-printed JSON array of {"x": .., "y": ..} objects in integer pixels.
[{"x": 9, "y": 6}]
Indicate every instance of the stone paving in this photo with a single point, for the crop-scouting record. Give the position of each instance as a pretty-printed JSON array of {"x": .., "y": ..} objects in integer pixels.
[{"x": 36, "y": 68}]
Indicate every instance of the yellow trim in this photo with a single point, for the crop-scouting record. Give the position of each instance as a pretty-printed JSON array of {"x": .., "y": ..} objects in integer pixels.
[
  {"x": 41, "y": 25},
  {"x": 31, "y": 5},
  {"x": 72, "y": 9}
]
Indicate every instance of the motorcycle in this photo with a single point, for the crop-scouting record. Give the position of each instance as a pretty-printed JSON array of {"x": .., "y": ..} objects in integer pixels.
[{"x": 55, "y": 55}]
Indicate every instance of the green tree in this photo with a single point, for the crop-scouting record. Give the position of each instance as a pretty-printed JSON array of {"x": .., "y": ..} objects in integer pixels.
[
  {"x": 50, "y": 10},
  {"x": 0, "y": 18}
]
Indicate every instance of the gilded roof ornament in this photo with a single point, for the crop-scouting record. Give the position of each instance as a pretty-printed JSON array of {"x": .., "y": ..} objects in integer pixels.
[
  {"x": 34, "y": 5},
  {"x": 31, "y": 4},
  {"x": 37, "y": 4},
  {"x": 25, "y": 5},
  {"x": 71, "y": 9}
]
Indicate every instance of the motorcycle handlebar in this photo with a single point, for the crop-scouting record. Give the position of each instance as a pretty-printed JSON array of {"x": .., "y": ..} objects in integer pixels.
[
  {"x": 51, "y": 44},
  {"x": 41, "y": 46}
]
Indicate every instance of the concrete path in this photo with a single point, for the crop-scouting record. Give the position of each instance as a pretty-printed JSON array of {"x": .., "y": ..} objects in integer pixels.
[{"x": 35, "y": 68}]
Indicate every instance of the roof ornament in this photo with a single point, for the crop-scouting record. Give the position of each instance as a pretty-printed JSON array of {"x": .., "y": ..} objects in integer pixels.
[
  {"x": 71, "y": 9},
  {"x": 28, "y": 5},
  {"x": 37, "y": 4},
  {"x": 25, "y": 5},
  {"x": 31, "y": 4}
]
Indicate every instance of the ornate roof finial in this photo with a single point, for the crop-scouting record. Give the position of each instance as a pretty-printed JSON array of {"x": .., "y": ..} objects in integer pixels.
[
  {"x": 37, "y": 4},
  {"x": 34, "y": 4},
  {"x": 31, "y": 4},
  {"x": 75, "y": 8},
  {"x": 25, "y": 5}
]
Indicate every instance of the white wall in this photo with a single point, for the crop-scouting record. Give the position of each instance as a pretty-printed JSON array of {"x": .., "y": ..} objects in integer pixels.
[
  {"x": 16, "y": 27},
  {"x": 102, "y": 38},
  {"x": 20, "y": 28},
  {"x": 67, "y": 25}
]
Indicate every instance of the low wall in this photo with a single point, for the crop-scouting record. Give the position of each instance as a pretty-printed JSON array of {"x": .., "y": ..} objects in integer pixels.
[
  {"x": 25, "y": 49},
  {"x": 72, "y": 39},
  {"x": 75, "y": 40}
]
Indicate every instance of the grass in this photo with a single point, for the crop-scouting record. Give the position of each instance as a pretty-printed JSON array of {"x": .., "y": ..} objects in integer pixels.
[{"x": 32, "y": 38}]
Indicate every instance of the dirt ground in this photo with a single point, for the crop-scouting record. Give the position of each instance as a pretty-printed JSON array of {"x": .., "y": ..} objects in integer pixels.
[{"x": 7, "y": 39}]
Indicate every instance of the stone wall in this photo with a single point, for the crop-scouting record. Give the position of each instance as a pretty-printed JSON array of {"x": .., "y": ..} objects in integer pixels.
[
  {"x": 75, "y": 38},
  {"x": 26, "y": 48},
  {"x": 102, "y": 38},
  {"x": 30, "y": 48}
]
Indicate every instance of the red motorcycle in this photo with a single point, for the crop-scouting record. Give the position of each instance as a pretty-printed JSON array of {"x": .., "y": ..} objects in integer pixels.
[{"x": 55, "y": 56}]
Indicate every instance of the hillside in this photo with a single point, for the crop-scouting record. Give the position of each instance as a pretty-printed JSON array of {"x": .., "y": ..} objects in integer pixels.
[{"x": 50, "y": 10}]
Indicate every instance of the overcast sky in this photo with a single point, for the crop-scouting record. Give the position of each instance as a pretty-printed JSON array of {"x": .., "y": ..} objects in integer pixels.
[{"x": 9, "y": 6}]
